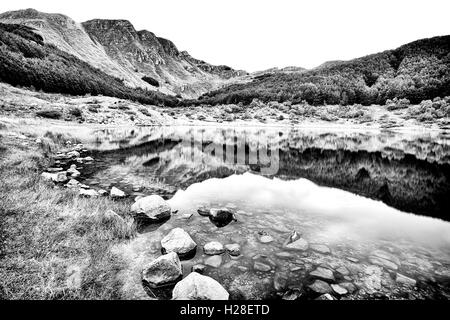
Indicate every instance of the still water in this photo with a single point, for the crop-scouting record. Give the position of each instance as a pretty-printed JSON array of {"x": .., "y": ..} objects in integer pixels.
[{"x": 372, "y": 206}]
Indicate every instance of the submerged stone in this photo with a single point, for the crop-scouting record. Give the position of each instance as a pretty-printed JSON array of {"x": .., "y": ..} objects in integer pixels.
[
  {"x": 200, "y": 268},
  {"x": 214, "y": 261},
  {"x": 266, "y": 239},
  {"x": 321, "y": 248},
  {"x": 323, "y": 273},
  {"x": 259, "y": 266},
  {"x": 400, "y": 278},
  {"x": 320, "y": 286},
  {"x": 300, "y": 244}
]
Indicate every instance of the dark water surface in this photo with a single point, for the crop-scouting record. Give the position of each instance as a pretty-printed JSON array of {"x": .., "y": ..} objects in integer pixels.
[{"x": 379, "y": 201}]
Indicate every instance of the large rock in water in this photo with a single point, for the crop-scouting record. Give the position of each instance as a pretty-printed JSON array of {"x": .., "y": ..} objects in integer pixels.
[
  {"x": 198, "y": 287},
  {"x": 180, "y": 242},
  {"x": 152, "y": 207},
  {"x": 221, "y": 217},
  {"x": 162, "y": 271}
]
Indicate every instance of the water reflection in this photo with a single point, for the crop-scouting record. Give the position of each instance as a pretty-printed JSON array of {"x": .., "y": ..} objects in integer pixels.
[
  {"x": 407, "y": 171},
  {"x": 321, "y": 189}
]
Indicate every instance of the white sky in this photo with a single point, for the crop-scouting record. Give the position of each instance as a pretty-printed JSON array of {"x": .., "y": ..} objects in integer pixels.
[{"x": 260, "y": 34}]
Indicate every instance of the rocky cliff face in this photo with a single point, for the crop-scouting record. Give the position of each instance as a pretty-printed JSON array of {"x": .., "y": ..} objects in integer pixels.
[{"x": 140, "y": 58}]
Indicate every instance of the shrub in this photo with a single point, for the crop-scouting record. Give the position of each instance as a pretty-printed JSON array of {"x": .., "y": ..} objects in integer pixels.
[
  {"x": 51, "y": 114},
  {"x": 76, "y": 112},
  {"x": 94, "y": 108},
  {"x": 151, "y": 81}
]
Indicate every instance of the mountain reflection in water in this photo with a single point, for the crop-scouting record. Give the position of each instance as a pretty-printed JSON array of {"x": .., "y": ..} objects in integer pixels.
[
  {"x": 320, "y": 188},
  {"x": 408, "y": 172}
]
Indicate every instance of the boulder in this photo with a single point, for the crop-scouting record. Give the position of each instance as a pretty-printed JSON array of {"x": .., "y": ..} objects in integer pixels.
[
  {"x": 221, "y": 217},
  {"x": 178, "y": 241},
  {"x": 162, "y": 271},
  {"x": 152, "y": 207},
  {"x": 233, "y": 249},
  {"x": 198, "y": 287},
  {"x": 213, "y": 247},
  {"x": 117, "y": 193}
]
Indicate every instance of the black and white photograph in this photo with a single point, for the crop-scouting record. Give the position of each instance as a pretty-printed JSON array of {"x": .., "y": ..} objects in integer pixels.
[{"x": 239, "y": 151}]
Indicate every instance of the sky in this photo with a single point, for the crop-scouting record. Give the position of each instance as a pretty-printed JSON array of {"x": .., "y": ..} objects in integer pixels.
[{"x": 259, "y": 34}]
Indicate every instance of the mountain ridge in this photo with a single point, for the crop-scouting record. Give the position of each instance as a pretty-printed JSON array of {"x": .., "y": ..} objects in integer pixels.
[
  {"x": 417, "y": 71},
  {"x": 144, "y": 54}
]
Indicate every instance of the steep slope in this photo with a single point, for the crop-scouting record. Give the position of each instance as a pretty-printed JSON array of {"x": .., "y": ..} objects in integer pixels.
[
  {"x": 156, "y": 58},
  {"x": 139, "y": 58},
  {"x": 26, "y": 60},
  {"x": 419, "y": 70}
]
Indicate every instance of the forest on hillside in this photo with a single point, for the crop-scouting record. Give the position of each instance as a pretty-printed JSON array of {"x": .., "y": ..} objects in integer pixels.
[
  {"x": 25, "y": 60},
  {"x": 417, "y": 71}
]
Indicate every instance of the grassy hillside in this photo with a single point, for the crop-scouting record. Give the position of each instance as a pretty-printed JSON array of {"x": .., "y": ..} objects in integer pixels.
[
  {"x": 417, "y": 71},
  {"x": 25, "y": 60}
]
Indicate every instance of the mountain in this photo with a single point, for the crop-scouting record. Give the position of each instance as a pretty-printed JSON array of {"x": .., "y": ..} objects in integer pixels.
[
  {"x": 26, "y": 60},
  {"x": 417, "y": 71},
  {"x": 139, "y": 58}
]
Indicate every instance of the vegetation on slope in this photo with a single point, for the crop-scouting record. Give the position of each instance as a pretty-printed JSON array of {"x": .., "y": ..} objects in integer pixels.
[
  {"x": 54, "y": 244},
  {"x": 25, "y": 60},
  {"x": 417, "y": 71}
]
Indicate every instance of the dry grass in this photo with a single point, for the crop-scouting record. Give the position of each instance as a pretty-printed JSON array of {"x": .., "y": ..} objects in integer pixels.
[{"x": 54, "y": 244}]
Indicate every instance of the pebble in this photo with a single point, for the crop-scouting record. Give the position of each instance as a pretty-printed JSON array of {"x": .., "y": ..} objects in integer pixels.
[
  {"x": 339, "y": 290},
  {"x": 200, "y": 268},
  {"x": 259, "y": 266},
  {"x": 323, "y": 273},
  {"x": 320, "y": 286},
  {"x": 266, "y": 239},
  {"x": 321, "y": 248}
]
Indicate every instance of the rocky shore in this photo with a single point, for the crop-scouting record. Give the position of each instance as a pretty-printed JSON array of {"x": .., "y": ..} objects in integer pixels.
[{"x": 185, "y": 264}]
